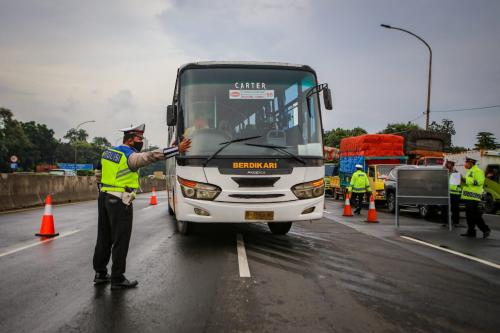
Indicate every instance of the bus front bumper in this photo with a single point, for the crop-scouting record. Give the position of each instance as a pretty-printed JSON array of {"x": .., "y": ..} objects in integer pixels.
[{"x": 235, "y": 212}]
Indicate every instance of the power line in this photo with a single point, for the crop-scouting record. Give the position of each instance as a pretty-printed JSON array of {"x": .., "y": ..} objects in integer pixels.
[{"x": 469, "y": 109}]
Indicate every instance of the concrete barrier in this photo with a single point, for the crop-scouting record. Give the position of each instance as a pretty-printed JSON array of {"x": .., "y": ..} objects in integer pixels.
[{"x": 28, "y": 190}]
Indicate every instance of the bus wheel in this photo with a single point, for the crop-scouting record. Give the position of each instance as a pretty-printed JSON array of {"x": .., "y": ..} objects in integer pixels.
[
  {"x": 183, "y": 227},
  {"x": 279, "y": 228}
]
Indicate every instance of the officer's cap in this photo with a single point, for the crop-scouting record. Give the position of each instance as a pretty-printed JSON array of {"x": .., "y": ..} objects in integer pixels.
[
  {"x": 134, "y": 129},
  {"x": 470, "y": 159},
  {"x": 359, "y": 166}
]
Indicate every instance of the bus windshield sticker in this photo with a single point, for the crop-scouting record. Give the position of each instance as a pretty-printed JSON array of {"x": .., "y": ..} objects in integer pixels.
[{"x": 251, "y": 94}]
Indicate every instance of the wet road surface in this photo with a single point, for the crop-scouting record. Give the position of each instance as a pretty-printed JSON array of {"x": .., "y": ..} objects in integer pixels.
[{"x": 324, "y": 276}]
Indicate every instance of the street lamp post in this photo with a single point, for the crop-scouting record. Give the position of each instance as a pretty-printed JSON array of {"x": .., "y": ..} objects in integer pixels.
[
  {"x": 427, "y": 112},
  {"x": 77, "y": 127}
]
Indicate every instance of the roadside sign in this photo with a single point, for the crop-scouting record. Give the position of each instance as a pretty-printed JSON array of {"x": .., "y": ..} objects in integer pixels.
[
  {"x": 72, "y": 166},
  {"x": 14, "y": 159},
  {"x": 422, "y": 187}
]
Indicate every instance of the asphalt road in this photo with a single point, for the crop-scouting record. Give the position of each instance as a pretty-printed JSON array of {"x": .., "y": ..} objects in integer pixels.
[{"x": 324, "y": 276}]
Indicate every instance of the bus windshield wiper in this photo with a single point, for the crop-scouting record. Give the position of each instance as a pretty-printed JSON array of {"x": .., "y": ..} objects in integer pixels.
[
  {"x": 278, "y": 148},
  {"x": 227, "y": 143}
]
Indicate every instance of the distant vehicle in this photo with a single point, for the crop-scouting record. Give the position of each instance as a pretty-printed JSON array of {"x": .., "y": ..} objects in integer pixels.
[
  {"x": 62, "y": 172},
  {"x": 425, "y": 148},
  {"x": 377, "y": 153},
  {"x": 332, "y": 181}
]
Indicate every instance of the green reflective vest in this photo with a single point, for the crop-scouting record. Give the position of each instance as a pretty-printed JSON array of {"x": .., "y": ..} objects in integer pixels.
[
  {"x": 116, "y": 175},
  {"x": 359, "y": 183},
  {"x": 455, "y": 189},
  {"x": 473, "y": 187}
]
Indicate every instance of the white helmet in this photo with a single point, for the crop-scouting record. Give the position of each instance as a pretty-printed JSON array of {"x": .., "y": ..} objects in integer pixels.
[{"x": 359, "y": 166}]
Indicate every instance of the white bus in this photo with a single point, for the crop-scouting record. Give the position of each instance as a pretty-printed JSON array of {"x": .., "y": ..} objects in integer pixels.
[{"x": 257, "y": 152}]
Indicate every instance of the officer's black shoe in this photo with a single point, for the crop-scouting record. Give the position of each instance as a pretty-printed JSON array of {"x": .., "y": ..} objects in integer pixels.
[
  {"x": 468, "y": 234},
  {"x": 486, "y": 234},
  {"x": 125, "y": 284},
  {"x": 102, "y": 278}
]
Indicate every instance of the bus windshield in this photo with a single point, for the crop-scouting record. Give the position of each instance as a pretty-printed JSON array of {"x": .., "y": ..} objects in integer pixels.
[{"x": 218, "y": 105}]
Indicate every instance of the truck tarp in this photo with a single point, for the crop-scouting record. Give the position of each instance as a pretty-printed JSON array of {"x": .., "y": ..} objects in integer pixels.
[{"x": 372, "y": 145}]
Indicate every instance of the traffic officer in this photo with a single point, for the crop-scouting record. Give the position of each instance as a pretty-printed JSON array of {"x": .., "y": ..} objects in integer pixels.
[
  {"x": 472, "y": 190},
  {"x": 455, "y": 194},
  {"x": 358, "y": 187},
  {"x": 119, "y": 180}
]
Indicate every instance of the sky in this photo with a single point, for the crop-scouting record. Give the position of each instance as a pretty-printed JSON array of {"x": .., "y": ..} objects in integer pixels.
[{"x": 63, "y": 62}]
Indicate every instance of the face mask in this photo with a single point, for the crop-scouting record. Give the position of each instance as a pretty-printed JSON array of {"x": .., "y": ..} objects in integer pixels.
[{"x": 138, "y": 145}]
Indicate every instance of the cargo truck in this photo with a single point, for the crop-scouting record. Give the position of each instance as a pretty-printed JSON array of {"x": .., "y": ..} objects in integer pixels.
[{"x": 377, "y": 153}]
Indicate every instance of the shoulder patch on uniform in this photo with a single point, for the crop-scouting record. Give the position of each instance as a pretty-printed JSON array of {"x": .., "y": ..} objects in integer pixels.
[{"x": 112, "y": 156}]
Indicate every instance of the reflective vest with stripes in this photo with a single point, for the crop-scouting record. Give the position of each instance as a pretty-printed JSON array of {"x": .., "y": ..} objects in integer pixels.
[
  {"x": 359, "y": 183},
  {"x": 473, "y": 187},
  {"x": 116, "y": 175}
]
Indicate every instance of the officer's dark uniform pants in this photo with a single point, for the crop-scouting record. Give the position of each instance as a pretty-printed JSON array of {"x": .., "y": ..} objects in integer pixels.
[
  {"x": 357, "y": 199},
  {"x": 114, "y": 228},
  {"x": 474, "y": 217},
  {"x": 455, "y": 210}
]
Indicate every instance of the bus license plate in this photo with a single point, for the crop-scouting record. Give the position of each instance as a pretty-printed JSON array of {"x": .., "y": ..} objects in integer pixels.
[{"x": 253, "y": 215}]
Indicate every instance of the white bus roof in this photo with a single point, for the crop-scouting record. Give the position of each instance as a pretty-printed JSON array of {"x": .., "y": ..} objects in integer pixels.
[{"x": 244, "y": 63}]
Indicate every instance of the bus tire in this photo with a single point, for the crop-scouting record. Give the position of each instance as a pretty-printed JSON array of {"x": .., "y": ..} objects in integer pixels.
[
  {"x": 391, "y": 202},
  {"x": 279, "y": 228},
  {"x": 183, "y": 227}
]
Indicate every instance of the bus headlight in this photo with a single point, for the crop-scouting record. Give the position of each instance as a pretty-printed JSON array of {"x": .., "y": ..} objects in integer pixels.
[
  {"x": 309, "y": 190},
  {"x": 195, "y": 190}
]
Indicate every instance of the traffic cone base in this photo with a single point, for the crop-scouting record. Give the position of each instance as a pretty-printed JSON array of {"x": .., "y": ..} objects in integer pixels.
[
  {"x": 47, "y": 227},
  {"x": 372, "y": 212},
  {"x": 153, "y": 200},
  {"x": 347, "y": 207}
]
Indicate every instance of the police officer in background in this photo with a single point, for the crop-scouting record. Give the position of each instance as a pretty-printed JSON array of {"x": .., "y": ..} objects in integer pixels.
[
  {"x": 119, "y": 181},
  {"x": 472, "y": 191},
  {"x": 455, "y": 194},
  {"x": 358, "y": 187}
]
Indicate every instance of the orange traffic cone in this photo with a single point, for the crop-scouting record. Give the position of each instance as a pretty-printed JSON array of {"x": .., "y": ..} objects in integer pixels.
[
  {"x": 153, "y": 201},
  {"x": 372, "y": 212},
  {"x": 347, "y": 206},
  {"x": 47, "y": 227}
]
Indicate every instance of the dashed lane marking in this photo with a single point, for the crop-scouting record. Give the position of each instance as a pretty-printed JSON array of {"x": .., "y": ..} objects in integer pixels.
[
  {"x": 482, "y": 261},
  {"x": 39, "y": 243},
  {"x": 242, "y": 256}
]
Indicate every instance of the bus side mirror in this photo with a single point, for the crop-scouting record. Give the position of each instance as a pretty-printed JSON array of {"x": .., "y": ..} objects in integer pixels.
[
  {"x": 327, "y": 98},
  {"x": 171, "y": 115}
]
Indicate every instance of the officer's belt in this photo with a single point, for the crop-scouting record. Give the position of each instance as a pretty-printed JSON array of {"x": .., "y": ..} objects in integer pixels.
[{"x": 127, "y": 189}]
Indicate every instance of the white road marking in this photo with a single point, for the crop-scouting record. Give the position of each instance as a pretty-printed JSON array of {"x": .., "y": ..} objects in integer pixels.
[
  {"x": 242, "y": 257},
  {"x": 148, "y": 207},
  {"x": 38, "y": 243},
  {"x": 482, "y": 261}
]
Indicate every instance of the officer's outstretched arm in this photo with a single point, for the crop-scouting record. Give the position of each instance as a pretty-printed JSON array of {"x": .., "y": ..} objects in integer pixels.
[{"x": 139, "y": 160}]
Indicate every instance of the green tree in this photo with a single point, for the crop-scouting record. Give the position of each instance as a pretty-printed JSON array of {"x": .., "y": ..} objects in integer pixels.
[
  {"x": 13, "y": 140},
  {"x": 446, "y": 127},
  {"x": 43, "y": 143},
  {"x": 332, "y": 138},
  {"x": 397, "y": 128},
  {"x": 101, "y": 141},
  {"x": 74, "y": 135},
  {"x": 486, "y": 140}
]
